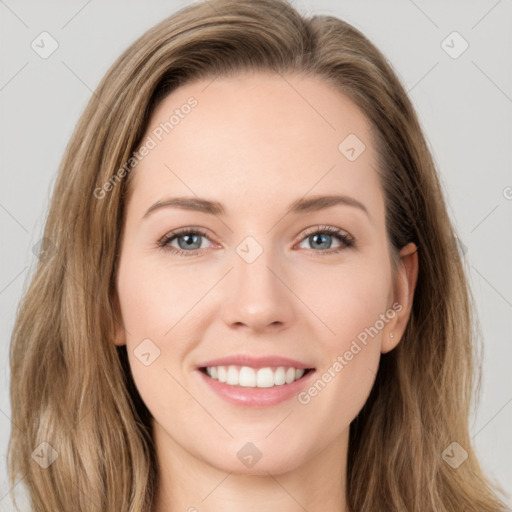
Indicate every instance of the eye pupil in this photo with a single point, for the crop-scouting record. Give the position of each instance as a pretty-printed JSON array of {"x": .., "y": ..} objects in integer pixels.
[
  {"x": 190, "y": 240},
  {"x": 314, "y": 238}
]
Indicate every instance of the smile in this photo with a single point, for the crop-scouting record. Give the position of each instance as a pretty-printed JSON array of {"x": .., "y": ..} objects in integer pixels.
[
  {"x": 248, "y": 377},
  {"x": 259, "y": 382}
]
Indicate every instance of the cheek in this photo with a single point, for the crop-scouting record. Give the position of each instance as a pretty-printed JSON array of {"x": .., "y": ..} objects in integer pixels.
[
  {"x": 153, "y": 298},
  {"x": 158, "y": 315},
  {"x": 352, "y": 306},
  {"x": 348, "y": 300}
]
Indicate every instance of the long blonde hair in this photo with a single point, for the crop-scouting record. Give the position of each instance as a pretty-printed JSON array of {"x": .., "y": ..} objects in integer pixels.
[{"x": 71, "y": 385}]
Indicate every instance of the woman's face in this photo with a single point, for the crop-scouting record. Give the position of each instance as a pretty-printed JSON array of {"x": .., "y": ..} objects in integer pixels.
[{"x": 265, "y": 281}]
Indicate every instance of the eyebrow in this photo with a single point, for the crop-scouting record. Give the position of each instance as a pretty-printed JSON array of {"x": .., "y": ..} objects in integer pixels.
[{"x": 302, "y": 205}]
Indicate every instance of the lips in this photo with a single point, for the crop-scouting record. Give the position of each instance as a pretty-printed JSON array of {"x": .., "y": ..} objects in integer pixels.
[
  {"x": 261, "y": 381},
  {"x": 256, "y": 362}
]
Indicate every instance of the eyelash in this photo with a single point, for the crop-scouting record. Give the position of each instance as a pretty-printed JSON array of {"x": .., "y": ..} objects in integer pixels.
[{"x": 346, "y": 240}]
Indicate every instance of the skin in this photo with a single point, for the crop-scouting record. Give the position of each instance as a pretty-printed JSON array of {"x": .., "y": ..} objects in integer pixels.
[{"x": 257, "y": 142}]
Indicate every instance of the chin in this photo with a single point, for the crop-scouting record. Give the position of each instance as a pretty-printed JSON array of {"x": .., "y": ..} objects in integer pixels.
[{"x": 258, "y": 458}]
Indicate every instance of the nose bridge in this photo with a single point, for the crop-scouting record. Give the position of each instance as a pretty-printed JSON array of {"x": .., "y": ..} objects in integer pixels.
[{"x": 257, "y": 296}]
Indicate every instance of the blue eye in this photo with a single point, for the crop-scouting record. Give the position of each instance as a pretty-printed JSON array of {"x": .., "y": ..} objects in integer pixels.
[
  {"x": 321, "y": 237},
  {"x": 189, "y": 240}
]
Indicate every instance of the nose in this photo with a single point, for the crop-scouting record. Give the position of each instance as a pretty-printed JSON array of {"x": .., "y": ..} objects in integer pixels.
[{"x": 258, "y": 296}]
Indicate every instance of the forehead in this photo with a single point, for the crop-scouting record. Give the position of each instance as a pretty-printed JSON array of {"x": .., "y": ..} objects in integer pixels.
[{"x": 254, "y": 137}]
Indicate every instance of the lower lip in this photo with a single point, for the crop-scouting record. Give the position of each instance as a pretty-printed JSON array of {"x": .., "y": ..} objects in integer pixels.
[{"x": 256, "y": 397}]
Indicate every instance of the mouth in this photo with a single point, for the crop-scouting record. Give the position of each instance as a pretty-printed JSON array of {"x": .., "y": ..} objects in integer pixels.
[
  {"x": 249, "y": 381},
  {"x": 250, "y": 377}
]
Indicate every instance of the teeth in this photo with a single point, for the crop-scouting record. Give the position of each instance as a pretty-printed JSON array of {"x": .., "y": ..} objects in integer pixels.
[
  {"x": 248, "y": 377},
  {"x": 265, "y": 378},
  {"x": 233, "y": 377},
  {"x": 221, "y": 372}
]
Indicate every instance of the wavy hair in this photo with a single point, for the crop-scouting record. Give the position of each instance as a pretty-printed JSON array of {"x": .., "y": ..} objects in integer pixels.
[{"x": 71, "y": 385}]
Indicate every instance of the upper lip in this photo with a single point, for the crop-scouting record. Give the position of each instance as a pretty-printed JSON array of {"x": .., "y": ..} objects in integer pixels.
[{"x": 255, "y": 362}]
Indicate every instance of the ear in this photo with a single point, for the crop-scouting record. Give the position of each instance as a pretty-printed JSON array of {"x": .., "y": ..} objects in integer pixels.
[
  {"x": 120, "y": 333},
  {"x": 404, "y": 285}
]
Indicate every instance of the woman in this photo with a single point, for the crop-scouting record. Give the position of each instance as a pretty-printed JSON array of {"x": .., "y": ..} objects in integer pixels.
[{"x": 256, "y": 371}]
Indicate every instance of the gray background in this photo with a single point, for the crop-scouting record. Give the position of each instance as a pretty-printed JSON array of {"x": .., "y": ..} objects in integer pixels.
[{"x": 464, "y": 105}]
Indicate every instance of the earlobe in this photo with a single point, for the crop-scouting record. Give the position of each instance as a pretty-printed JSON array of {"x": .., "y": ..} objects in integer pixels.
[
  {"x": 404, "y": 286},
  {"x": 389, "y": 342}
]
